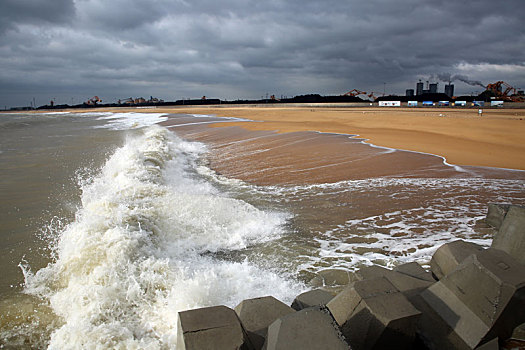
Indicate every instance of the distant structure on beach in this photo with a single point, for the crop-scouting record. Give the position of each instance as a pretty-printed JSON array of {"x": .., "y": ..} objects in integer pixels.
[
  {"x": 449, "y": 90},
  {"x": 419, "y": 88},
  {"x": 432, "y": 88}
]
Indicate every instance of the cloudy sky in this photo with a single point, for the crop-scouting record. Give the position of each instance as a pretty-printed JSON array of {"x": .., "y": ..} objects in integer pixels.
[{"x": 70, "y": 50}]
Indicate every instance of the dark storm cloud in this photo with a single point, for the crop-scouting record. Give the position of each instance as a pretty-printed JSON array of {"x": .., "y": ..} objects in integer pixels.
[
  {"x": 243, "y": 49},
  {"x": 14, "y": 12}
]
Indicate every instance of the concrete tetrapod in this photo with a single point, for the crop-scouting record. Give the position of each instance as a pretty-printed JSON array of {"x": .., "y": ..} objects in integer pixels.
[
  {"x": 216, "y": 327},
  {"x": 257, "y": 314},
  {"x": 373, "y": 314},
  {"x": 496, "y": 214},
  {"x": 511, "y": 235},
  {"x": 313, "y": 328},
  {"x": 410, "y": 286},
  {"x": 483, "y": 298},
  {"x": 413, "y": 269},
  {"x": 450, "y": 255},
  {"x": 311, "y": 298}
]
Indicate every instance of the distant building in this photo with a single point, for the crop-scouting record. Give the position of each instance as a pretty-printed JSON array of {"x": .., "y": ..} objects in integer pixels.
[
  {"x": 389, "y": 103},
  {"x": 419, "y": 88},
  {"x": 433, "y": 89},
  {"x": 409, "y": 92},
  {"x": 449, "y": 90}
]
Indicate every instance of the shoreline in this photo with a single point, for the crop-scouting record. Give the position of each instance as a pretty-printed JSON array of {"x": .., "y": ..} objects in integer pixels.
[
  {"x": 265, "y": 157},
  {"x": 495, "y": 141},
  {"x": 458, "y": 135}
]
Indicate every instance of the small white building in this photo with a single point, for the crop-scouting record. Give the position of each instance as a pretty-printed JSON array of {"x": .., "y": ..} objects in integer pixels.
[{"x": 389, "y": 103}]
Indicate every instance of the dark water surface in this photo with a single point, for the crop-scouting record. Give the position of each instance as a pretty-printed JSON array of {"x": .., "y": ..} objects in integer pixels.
[
  {"x": 42, "y": 158},
  {"x": 111, "y": 225}
]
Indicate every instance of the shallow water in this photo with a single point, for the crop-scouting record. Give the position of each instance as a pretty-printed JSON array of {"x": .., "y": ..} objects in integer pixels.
[{"x": 126, "y": 224}]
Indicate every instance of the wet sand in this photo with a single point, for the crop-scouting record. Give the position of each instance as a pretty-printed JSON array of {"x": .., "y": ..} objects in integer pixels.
[
  {"x": 318, "y": 144},
  {"x": 266, "y": 157},
  {"x": 494, "y": 140}
]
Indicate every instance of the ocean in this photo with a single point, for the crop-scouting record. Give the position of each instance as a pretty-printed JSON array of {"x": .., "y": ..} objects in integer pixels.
[{"x": 114, "y": 222}]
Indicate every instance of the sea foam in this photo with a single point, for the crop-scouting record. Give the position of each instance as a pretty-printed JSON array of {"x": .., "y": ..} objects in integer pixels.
[
  {"x": 124, "y": 121},
  {"x": 142, "y": 245}
]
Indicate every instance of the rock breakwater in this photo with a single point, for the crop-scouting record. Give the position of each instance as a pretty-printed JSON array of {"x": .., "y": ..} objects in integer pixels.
[{"x": 472, "y": 298}]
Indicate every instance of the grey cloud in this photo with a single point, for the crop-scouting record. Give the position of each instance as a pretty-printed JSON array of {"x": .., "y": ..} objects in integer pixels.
[
  {"x": 15, "y": 12},
  {"x": 250, "y": 47}
]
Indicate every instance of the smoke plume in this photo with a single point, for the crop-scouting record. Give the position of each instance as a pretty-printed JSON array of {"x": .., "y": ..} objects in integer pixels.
[{"x": 449, "y": 77}]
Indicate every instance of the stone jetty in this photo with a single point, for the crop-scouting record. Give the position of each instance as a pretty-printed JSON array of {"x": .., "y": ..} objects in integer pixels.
[{"x": 471, "y": 298}]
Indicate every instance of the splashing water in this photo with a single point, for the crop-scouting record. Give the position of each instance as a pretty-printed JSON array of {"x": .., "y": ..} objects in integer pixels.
[{"x": 137, "y": 251}]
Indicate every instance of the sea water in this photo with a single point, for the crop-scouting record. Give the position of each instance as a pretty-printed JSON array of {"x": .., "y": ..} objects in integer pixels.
[{"x": 113, "y": 224}]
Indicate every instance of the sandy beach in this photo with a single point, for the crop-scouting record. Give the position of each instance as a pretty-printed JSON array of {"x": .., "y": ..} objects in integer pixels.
[{"x": 497, "y": 139}]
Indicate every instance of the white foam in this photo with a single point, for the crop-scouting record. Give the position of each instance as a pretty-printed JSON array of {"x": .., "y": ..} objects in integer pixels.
[
  {"x": 141, "y": 249},
  {"x": 124, "y": 121},
  {"x": 392, "y": 150},
  {"x": 413, "y": 226},
  {"x": 236, "y": 119}
]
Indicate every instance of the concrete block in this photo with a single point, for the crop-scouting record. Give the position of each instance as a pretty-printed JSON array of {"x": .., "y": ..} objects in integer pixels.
[
  {"x": 257, "y": 314},
  {"x": 450, "y": 255},
  {"x": 410, "y": 286},
  {"x": 311, "y": 298},
  {"x": 495, "y": 214},
  {"x": 331, "y": 277},
  {"x": 511, "y": 235},
  {"x": 481, "y": 299},
  {"x": 309, "y": 329},
  {"x": 372, "y": 313},
  {"x": 216, "y": 327},
  {"x": 413, "y": 269},
  {"x": 491, "y": 345},
  {"x": 519, "y": 332}
]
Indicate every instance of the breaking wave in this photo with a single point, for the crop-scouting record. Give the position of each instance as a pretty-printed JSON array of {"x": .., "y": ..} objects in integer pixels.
[{"x": 142, "y": 247}]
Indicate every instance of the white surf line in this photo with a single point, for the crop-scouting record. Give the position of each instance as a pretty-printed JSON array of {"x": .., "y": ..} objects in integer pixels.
[
  {"x": 392, "y": 150},
  {"x": 363, "y": 141},
  {"x": 445, "y": 162},
  {"x": 197, "y": 123},
  {"x": 456, "y": 167},
  {"x": 228, "y": 119},
  {"x": 216, "y": 116}
]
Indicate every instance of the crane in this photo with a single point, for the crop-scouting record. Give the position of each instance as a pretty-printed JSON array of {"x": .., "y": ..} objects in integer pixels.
[
  {"x": 356, "y": 92},
  {"x": 93, "y": 101},
  {"x": 509, "y": 94}
]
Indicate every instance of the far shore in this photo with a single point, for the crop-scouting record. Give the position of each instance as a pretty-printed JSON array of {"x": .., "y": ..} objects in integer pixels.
[{"x": 461, "y": 135}]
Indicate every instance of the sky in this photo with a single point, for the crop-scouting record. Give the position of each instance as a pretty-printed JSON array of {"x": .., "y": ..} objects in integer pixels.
[{"x": 70, "y": 50}]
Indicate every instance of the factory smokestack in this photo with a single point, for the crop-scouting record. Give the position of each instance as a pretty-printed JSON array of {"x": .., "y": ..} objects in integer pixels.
[{"x": 447, "y": 77}]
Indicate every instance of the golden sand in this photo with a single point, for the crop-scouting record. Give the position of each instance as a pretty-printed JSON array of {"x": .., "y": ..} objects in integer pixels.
[{"x": 496, "y": 139}]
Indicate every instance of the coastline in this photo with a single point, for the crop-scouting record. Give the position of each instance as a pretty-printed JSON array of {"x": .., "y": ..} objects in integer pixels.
[
  {"x": 400, "y": 208},
  {"x": 458, "y": 135},
  {"x": 461, "y": 136}
]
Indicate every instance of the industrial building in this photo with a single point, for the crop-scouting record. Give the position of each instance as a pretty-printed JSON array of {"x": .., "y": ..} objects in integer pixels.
[
  {"x": 449, "y": 90},
  {"x": 431, "y": 88}
]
